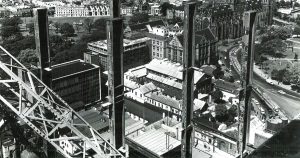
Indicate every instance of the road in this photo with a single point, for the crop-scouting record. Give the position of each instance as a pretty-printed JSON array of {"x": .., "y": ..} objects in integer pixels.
[{"x": 288, "y": 103}]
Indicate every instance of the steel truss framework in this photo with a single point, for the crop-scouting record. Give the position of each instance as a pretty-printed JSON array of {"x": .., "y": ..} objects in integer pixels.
[{"x": 46, "y": 113}]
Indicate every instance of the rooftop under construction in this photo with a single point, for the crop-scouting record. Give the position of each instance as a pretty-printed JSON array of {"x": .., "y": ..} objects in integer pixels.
[{"x": 35, "y": 104}]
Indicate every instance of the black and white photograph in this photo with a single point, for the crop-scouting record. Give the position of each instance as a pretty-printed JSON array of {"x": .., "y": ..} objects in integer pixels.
[{"x": 149, "y": 78}]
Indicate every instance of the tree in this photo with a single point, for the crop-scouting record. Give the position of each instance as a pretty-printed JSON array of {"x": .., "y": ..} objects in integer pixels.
[
  {"x": 28, "y": 57},
  {"x": 88, "y": 24},
  {"x": 139, "y": 18},
  {"x": 30, "y": 27},
  {"x": 164, "y": 7},
  {"x": 15, "y": 46},
  {"x": 274, "y": 74},
  {"x": 217, "y": 95},
  {"x": 297, "y": 30},
  {"x": 13, "y": 21},
  {"x": 100, "y": 24},
  {"x": 286, "y": 79},
  {"x": 57, "y": 26},
  {"x": 221, "y": 113},
  {"x": 296, "y": 57},
  {"x": 218, "y": 73},
  {"x": 9, "y": 32},
  {"x": 67, "y": 29}
]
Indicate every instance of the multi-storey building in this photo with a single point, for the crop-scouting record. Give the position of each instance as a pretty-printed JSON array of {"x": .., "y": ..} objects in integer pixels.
[
  {"x": 205, "y": 48},
  {"x": 159, "y": 41},
  {"x": 155, "y": 10},
  {"x": 88, "y": 10},
  {"x": 136, "y": 53},
  {"x": 264, "y": 10},
  {"x": 168, "y": 76},
  {"x": 175, "y": 12},
  {"x": 77, "y": 82},
  {"x": 175, "y": 49}
]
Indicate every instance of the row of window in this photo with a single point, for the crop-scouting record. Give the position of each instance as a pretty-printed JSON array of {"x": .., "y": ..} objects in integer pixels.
[
  {"x": 159, "y": 43},
  {"x": 163, "y": 106}
]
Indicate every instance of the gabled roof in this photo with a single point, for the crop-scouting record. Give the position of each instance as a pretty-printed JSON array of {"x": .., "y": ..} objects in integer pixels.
[
  {"x": 143, "y": 26},
  {"x": 146, "y": 88},
  {"x": 180, "y": 38},
  {"x": 131, "y": 84},
  {"x": 171, "y": 69}
]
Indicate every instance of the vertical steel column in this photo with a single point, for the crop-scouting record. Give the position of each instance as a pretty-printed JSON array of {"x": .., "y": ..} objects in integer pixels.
[
  {"x": 42, "y": 42},
  {"x": 115, "y": 75},
  {"x": 247, "y": 76},
  {"x": 188, "y": 80},
  {"x": 42, "y": 48}
]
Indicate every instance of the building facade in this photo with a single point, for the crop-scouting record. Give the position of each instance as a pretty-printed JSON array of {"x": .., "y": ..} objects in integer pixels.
[
  {"x": 136, "y": 52},
  {"x": 88, "y": 10},
  {"x": 77, "y": 82},
  {"x": 159, "y": 41}
]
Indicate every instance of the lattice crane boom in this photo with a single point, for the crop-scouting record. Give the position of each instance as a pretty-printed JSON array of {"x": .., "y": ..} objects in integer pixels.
[{"x": 46, "y": 113}]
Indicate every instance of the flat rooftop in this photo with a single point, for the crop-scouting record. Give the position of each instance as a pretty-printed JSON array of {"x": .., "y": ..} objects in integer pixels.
[
  {"x": 285, "y": 143},
  {"x": 155, "y": 141},
  {"x": 70, "y": 68}
]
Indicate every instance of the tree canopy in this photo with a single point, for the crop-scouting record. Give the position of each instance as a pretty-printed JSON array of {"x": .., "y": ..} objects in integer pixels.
[
  {"x": 296, "y": 30},
  {"x": 221, "y": 113},
  {"x": 88, "y": 24},
  {"x": 100, "y": 24},
  {"x": 10, "y": 29},
  {"x": 139, "y": 18},
  {"x": 67, "y": 29},
  {"x": 164, "y": 7},
  {"x": 28, "y": 57}
]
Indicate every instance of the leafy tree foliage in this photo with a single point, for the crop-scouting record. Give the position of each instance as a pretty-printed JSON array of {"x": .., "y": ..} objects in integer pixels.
[
  {"x": 57, "y": 26},
  {"x": 100, "y": 24},
  {"x": 88, "y": 24},
  {"x": 10, "y": 29},
  {"x": 67, "y": 29},
  {"x": 28, "y": 57},
  {"x": 15, "y": 46},
  {"x": 221, "y": 113},
  {"x": 218, "y": 73},
  {"x": 297, "y": 30},
  {"x": 139, "y": 18},
  {"x": 164, "y": 7},
  {"x": 217, "y": 95}
]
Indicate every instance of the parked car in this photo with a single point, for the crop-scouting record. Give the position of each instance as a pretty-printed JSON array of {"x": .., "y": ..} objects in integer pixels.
[
  {"x": 281, "y": 92},
  {"x": 270, "y": 81}
]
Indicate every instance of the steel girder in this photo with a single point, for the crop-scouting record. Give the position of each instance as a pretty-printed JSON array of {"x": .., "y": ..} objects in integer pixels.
[{"x": 46, "y": 113}]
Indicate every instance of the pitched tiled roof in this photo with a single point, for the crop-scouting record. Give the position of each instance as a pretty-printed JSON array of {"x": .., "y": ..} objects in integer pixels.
[
  {"x": 143, "y": 26},
  {"x": 180, "y": 38},
  {"x": 171, "y": 69},
  {"x": 131, "y": 84},
  {"x": 146, "y": 88}
]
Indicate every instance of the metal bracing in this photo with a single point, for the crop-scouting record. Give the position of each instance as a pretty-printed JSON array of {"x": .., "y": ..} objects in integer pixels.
[{"x": 46, "y": 113}]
